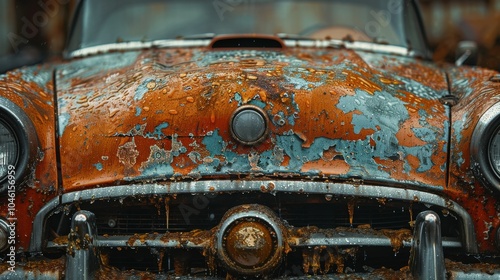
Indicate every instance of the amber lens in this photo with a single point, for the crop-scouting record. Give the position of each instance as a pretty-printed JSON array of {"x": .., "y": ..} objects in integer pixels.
[{"x": 8, "y": 149}]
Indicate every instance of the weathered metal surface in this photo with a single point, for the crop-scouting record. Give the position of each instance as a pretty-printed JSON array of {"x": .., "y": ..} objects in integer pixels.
[
  {"x": 273, "y": 187},
  {"x": 32, "y": 90},
  {"x": 164, "y": 114},
  {"x": 476, "y": 94}
]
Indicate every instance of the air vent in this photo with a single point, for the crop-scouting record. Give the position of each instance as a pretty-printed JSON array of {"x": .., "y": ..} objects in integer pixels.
[{"x": 247, "y": 42}]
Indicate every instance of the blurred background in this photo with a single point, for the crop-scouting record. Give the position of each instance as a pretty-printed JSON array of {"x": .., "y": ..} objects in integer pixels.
[{"x": 32, "y": 31}]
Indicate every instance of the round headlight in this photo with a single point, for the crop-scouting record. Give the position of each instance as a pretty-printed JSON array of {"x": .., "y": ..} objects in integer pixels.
[
  {"x": 9, "y": 149},
  {"x": 18, "y": 144},
  {"x": 485, "y": 148}
]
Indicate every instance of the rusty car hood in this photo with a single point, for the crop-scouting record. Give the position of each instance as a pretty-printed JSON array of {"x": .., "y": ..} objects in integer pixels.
[{"x": 334, "y": 114}]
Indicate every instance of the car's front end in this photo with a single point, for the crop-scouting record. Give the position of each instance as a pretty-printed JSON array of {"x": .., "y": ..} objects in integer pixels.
[{"x": 253, "y": 155}]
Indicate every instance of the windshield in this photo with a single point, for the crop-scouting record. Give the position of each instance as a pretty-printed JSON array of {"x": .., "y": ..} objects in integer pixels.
[{"x": 392, "y": 22}]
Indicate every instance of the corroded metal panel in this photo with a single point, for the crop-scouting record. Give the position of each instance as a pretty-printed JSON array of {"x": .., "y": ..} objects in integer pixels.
[
  {"x": 476, "y": 93},
  {"x": 31, "y": 89},
  {"x": 164, "y": 114}
]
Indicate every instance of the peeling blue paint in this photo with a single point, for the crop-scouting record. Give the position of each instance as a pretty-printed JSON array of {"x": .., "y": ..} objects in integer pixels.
[
  {"x": 63, "y": 122},
  {"x": 138, "y": 111},
  {"x": 420, "y": 90},
  {"x": 237, "y": 98},
  {"x": 158, "y": 134},
  {"x": 98, "y": 166},
  {"x": 142, "y": 89},
  {"x": 460, "y": 159},
  {"x": 295, "y": 79},
  {"x": 158, "y": 163},
  {"x": 381, "y": 109},
  {"x": 458, "y": 127},
  {"x": 258, "y": 103}
]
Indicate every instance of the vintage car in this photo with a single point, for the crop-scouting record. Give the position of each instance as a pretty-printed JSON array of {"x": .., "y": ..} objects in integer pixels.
[{"x": 249, "y": 139}]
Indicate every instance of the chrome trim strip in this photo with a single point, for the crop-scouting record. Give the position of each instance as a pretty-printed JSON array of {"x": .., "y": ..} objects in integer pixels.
[
  {"x": 272, "y": 186},
  {"x": 357, "y": 45},
  {"x": 358, "y": 239},
  {"x": 304, "y": 43},
  {"x": 137, "y": 45}
]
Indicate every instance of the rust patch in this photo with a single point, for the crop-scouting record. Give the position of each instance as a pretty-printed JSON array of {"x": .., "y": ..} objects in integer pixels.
[{"x": 397, "y": 237}]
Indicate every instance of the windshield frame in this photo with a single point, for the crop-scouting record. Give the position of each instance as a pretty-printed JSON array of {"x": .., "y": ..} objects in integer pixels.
[{"x": 76, "y": 30}]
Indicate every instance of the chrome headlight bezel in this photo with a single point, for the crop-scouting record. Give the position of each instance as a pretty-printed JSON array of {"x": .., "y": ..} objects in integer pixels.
[
  {"x": 484, "y": 133},
  {"x": 20, "y": 124}
]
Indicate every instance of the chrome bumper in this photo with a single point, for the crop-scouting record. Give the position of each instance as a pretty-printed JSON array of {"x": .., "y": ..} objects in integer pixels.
[{"x": 82, "y": 255}]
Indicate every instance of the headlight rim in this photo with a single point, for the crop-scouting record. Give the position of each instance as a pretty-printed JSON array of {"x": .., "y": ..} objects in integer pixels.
[
  {"x": 27, "y": 140},
  {"x": 482, "y": 136}
]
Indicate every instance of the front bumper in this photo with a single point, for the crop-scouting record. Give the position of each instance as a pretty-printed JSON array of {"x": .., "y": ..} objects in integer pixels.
[{"x": 249, "y": 225}]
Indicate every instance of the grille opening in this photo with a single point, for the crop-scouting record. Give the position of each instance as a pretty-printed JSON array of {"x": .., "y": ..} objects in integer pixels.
[
  {"x": 173, "y": 262},
  {"x": 363, "y": 259},
  {"x": 187, "y": 212}
]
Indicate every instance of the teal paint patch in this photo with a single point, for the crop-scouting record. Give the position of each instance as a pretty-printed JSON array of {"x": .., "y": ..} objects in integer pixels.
[
  {"x": 195, "y": 157},
  {"x": 158, "y": 133},
  {"x": 423, "y": 153},
  {"x": 420, "y": 90},
  {"x": 157, "y": 171},
  {"x": 158, "y": 164},
  {"x": 138, "y": 111},
  {"x": 258, "y": 103},
  {"x": 425, "y": 134},
  {"x": 458, "y": 127},
  {"x": 292, "y": 146},
  {"x": 214, "y": 143},
  {"x": 217, "y": 147},
  {"x": 298, "y": 82},
  {"x": 98, "y": 166},
  {"x": 63, "y": 122},
  {"x": 460, "y": 159},
  {"x": 238, "y": 98},
  {"x": 142, "y": 89},
  {"x": 381, "y": 109}
]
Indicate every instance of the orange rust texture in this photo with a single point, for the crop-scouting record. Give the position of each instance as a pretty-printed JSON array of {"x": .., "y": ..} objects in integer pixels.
[
  {"x": 195, "y": 101},
  {"x": 36, "y": 100},
  {"x": 478, "y": 94},
  {"x": 39, "y": 266}
]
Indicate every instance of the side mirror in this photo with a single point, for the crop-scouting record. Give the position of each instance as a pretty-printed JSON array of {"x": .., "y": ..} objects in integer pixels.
[{"x": 467, "y": 53}]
